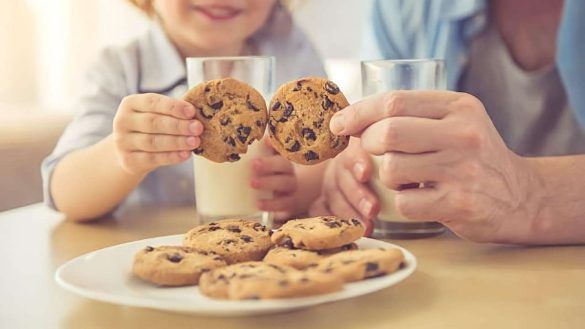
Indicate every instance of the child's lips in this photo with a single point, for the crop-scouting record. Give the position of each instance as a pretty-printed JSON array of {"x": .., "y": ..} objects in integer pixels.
[{"x": 215, "y": 12}]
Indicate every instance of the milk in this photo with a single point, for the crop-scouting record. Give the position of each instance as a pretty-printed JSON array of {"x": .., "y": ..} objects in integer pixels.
[
  {"x": 223, "y": 190},
  {"x": 388, "y": 210}
]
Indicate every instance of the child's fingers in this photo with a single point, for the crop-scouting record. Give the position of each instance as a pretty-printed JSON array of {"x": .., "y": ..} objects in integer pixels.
[
  {"x": 144, "y": 161},
  {"x": 283, "y": 203},
  {"x": 153, "y": 123},
  {"x": 156, "y": 103},
  {"x": 274, "y": 164},
  {"x": 159, "y": 143},
  {"x": 284, "y": 184}
]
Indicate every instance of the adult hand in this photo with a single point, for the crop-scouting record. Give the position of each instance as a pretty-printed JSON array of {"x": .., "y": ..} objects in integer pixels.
[
  {"x": 345, "y": 192},
  {"x": 152, "y": 130},
  {"x": 475, "y": 184}
]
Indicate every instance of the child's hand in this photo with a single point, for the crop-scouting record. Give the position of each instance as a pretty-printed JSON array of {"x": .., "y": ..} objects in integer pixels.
[
  {"x": 276, "y": 174},
  {"x": 152, "y": 130}
]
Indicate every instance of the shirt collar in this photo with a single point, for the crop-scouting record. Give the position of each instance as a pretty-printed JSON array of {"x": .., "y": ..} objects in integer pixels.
[
  {"x": 161, "y": 67},
  {"x": 462, "y": 9}
]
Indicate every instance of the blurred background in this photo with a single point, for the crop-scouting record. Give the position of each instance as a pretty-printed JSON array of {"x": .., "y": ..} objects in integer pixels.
[{"x": 47, "y": 44}]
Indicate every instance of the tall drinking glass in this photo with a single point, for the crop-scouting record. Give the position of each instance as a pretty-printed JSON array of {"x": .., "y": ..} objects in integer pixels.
[
  {"x": 222, "y": 190},
  {"x": 387, "y": 75}
]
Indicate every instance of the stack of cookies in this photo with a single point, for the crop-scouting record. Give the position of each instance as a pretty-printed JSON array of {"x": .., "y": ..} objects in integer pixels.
[{"x": 241, "y": 259}]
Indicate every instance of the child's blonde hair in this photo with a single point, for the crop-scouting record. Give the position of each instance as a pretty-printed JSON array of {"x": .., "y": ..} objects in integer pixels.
[{"x": 144, "y": 5}]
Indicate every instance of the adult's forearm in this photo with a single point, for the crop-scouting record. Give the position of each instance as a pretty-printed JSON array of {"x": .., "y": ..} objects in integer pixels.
[
  {"x": 89, "y": 183},
  {"x": 559, "y": 188}
]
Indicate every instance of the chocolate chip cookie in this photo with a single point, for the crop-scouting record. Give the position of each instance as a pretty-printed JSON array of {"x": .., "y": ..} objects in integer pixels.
[
  {"x": 301, "y": 259},
  {"x": 237, "y": 240},
  {"x": 174, "y": 265},
  {"x": 259, "y": 280},
  {"x": 318, "y": 233},
  {"x": 355, "y": 265},
  {"x": 233, "y": 114},
  {"x": 298, "y": 123}
]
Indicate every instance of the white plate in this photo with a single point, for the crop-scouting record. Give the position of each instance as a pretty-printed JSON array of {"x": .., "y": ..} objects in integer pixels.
[{"x": 106, "y": 275}]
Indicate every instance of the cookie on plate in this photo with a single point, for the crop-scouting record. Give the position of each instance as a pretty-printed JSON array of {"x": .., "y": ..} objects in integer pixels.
[
  {"x": 318, "y": 233},
  {"x": 233, "y": 114},
  {"x": 259, "y": 280},
  {"x": 237, "y": 240},
  {"x": 355, "y": 265},
  {"x": 301, "y": 259},
  {"x": 298, "y": 123},
  {"x": 174, "y": 265}
]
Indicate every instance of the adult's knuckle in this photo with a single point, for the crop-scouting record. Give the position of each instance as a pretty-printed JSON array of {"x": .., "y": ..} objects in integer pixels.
[
  {"x": 470, "y": 137},
  {"x": 393, "y": 104},
  {"x": 389, "y": 134}
]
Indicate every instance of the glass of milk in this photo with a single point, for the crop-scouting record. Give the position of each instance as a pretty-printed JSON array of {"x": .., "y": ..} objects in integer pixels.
[
  {"x": 386, "y": 75},
  {"x": 222, "y": 190}
]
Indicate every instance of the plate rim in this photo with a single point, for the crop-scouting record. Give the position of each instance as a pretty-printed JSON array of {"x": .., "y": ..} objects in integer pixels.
[{"x": 267, "y": 306}]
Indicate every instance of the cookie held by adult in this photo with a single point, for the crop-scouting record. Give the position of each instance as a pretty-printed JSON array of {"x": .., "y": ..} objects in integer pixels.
[{"x": 298, "y": 123}]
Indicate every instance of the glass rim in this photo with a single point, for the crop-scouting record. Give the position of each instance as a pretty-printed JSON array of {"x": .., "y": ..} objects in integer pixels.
[
  {"x": 405, "y": 61},
  {"x": 228, "y": 58}
]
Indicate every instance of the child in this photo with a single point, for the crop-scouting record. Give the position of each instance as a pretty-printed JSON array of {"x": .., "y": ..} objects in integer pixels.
[{"x": 130, "y": 142}]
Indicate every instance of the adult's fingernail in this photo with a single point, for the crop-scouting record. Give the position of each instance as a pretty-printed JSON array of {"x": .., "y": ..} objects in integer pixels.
[
  {"x": 337, "y": 123},
  {"x": 365, "y": 207},
  {"x": 195, "y": 127},
  {"x": 359, "y": 170}
]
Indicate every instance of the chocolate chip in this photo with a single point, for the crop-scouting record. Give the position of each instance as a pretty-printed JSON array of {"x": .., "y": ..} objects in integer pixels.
[
  {"x": 207, "y": 89},
  {"x": 175, "y": 258},
  {"x": 243, "y": 133},
  {"x": 217, "y": 105},
  {"x": 245, "y": 276},
  {"x": 233, "y": 157},
  {"x": 299, "y": 86},
  {"x": 283, "y": 283},
  {"x": 257, "y": 226},
  {"x": 229, "y": 241},
  {"x": 203, "y": 270},
  {"x": 278, "y": 268},
  {"x": 222, "y": 277},
  {"x": 319, "y": 123},
  {"x": 251, "y": 105},
  {"x": 288, "y": 110},
  {"x": 148, "y": 249},
  {"x": 308, "y": 134},
  {"x": 347, "y": 262},
  {"x": 204, "y": 114},
  {"x": 212, "y": 224},
  {"x": 270, "y": 233},
  {"x": 305, "y": 279},
  {"x": 234, "y": 229},
  {"x": 327, "y": 103},
  {"x": 197, "y": 151},
  {"x": 217, "y": 258},
  {"x": 309, "y": 89},
  {"x": 295, "y": 147},
  {"x": 276, "y": 106},
  {"x": 356, "y": 222},
  {"x": 331, "y": 87},
  {"x": 348, "y": 246},
  {"x": 246, "y": 238},
  {"x": 332, "y": 224},
  {"x": 225, "y": 121},
  {"x": 328, "y": 270},
  {"x": 259, "y": 123},
  {"x": 371, "y": 267},
  {"x": 214, "y": 228},
  {"x": 271, "y": 127},
  {"x": 230, "y": 141},
  {"x": 311, "y": 156},
  {"x": 287, "y": 242}
]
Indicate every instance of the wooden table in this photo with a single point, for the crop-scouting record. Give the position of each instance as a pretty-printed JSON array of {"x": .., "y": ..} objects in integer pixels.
[{"x": 458, "y": 284}]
